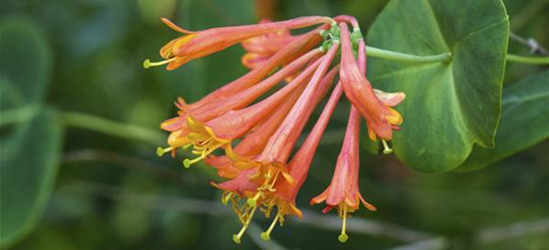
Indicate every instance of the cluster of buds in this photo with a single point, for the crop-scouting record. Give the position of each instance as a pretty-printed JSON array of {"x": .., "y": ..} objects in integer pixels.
[{"x": 258, "y": 135}]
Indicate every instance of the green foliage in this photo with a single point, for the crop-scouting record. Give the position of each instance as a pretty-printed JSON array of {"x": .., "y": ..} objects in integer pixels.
[
  {"x": 30, "y": 149},
  {"x": 30, "y": 158},
  {"x": 523, "y": 121},
  {"x": 449, "y": 106},
  {"x": 25, "y": 63}
]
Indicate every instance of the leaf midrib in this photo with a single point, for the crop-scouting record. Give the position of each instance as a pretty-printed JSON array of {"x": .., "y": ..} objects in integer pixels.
[{"x": 439, "y": 30}]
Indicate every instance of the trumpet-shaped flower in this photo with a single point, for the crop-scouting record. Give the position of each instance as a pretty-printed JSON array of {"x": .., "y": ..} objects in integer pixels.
[
  {"x": 282, "y": 57},
  {"x": 261, "y": 48},
  {"x": 285, "y": 193},
  {"x": 240, "y": 99},
  {"x": 179, "y": 125},
  {"x": 380, "y": 118},
  {"x": 270, "y": 166},
  {"x": 254, "y": 142},
  {"x": 343, "y": 191},
  {"x": 220, "y": 131},
  {"x": 194, "y": 45},
  {"x": 258, "y": 131}
]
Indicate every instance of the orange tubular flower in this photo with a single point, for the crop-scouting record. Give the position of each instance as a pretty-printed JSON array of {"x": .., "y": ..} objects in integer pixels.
[
  {"x": 270, "y": 165},
  {"x": 261, "y": 48},
  {"x": 285, "y": 193},
  {"x": 280, "y": 58},
  {"x": 194, "y": 45},
  {"x": 343, "y": 191},
  {"x": 255, "y": 141},
  {"x": 179, "y": 127},
  {"x": 380, "y": 118},
  {"x": 241, "y": 99},
  {"x": 257, "y": 131},
  {"x": 206, "y": 137}
]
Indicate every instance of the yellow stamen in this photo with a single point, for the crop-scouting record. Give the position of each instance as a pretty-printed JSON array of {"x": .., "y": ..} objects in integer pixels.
[
  {"x": 161, "y": 151},
  {"x": 226, "y": 197},
  {"x": 343, "y": 237},
  {"x": 386, "y": 149},
  {"x": 273, "y": 182},
  {"x": 252, "y": 202},
  {"x": 238, "y": 237},
  {"x": 188, "y": 162},
  {"x": 147, "y": 63},
  {"x": 266, "y": 235}
]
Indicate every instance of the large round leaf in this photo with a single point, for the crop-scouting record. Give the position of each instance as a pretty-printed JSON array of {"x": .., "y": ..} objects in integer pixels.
[
  {"x": 28, "y": 168},
  {"x": 25, "y": 63},
  {"x": 523, "y": 121},
  {"x": 30, "y": 149},
  {"x": 449, "y": 105}
]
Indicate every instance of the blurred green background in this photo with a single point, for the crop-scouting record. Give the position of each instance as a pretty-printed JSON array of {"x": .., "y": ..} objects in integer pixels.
[{"x": 110, "y": 192}]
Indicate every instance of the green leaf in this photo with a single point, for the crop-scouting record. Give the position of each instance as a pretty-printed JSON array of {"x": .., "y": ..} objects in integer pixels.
[
  {"x": 29, "y": 161},
  {"x": 450, "y": 105},
  {"x": 523, "y": 122},
  {"x": 30, "y": 149},
  {"x": 25, "y": 62}
]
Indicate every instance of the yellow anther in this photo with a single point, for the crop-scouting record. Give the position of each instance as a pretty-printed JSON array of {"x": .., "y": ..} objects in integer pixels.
[
  {"x": 266, "y": 236},
  {"x": 343, "y": 238},
  {"x": 386, "y": 149},
  {"x": 147, "y": 63},
  {"x": 226, "y": 197},
  {"x": 188, "y": 162},
  {"x": 237, "y": 237},
  {"x": 161, "y": 151},
  {"x": 252, "y": 202}
]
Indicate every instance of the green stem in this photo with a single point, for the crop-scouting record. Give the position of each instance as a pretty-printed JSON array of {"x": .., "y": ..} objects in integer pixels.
[
  {"x": 444, "y": 57},
  {"x": 17, "y": 115},
  {"x": 527, "y": 59},
  {"x": 112, "y": 128},
  {"x": 391, "y": 55}
]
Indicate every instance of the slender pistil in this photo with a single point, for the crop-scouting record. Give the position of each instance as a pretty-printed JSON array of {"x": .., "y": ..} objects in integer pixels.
[
  {"x": 188, "y": 162},
  {"x": 161, "y": 151},
  {"x": 343, "y": 237},
  {"x": 147, "y": 63}
]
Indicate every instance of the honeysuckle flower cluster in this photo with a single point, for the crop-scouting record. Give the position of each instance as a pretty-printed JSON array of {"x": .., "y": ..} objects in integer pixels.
[{"x": 254, "y": 137}]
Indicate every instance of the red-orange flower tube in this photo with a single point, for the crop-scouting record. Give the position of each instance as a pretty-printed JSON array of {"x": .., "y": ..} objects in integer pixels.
[
  {"x": 282, "y": 57},
  {"x": 379, "y": 117},
  {"x": 343, "y": 191},
  {"x": 270, "y": 165},
  {"x": 199, "y": 44},
  {"x": 206, "y": 137}
]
